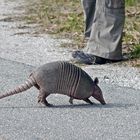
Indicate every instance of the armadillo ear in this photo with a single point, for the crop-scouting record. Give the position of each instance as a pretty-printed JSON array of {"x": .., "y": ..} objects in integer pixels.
[{"x": 96, "y": 81}]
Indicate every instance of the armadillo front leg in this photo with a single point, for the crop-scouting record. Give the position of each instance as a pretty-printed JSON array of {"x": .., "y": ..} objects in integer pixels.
[
  {"x": 42, "y": 98},
  {"x": 71, "y": 100},
  {"x": 88, "y": 101}
]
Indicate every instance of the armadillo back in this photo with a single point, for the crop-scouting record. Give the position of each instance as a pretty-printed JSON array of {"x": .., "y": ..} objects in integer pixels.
[{"x": 63, "y": 77}]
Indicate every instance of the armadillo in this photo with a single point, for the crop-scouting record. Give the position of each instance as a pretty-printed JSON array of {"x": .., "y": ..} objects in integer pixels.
[{"x": 62, "y": 78}]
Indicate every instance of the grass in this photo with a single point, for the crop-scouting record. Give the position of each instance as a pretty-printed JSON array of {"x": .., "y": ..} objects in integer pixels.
[
  {"x": 132, "y": 28},
  {"x": 131, "y": 2},
  {"x": 58, "y": 16},
  {"x": 62, "y": 18},
  {"x": 136, "y": 51},
  {"x": 65, "y": 18}
]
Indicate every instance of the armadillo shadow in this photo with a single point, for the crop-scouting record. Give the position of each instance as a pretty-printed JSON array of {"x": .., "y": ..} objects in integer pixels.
[{"x": 109, "y": 105}]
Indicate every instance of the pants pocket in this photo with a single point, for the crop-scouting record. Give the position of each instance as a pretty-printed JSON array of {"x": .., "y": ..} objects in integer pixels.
[{"x": 115, "y": 4}]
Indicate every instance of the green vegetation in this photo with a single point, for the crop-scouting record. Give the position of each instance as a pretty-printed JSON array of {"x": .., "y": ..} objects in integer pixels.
[
  {"x": 131, "y": 2},
  {"x": 65, "y": 18},
  {"x": 58, "y": 16},
  {"x": 136, "y": 51},
  {"x": 132, "y": 28}
]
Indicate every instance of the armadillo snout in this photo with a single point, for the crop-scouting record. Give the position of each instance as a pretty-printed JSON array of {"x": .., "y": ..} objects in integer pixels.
[{"x": 103, "y": 102}]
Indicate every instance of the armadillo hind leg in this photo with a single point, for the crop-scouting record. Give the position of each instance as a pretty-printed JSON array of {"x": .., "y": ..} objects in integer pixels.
[
  {"x": 88, "y": 101},
  {"x": 71, "y": 100},
  {"x": 42, "y": 98}
]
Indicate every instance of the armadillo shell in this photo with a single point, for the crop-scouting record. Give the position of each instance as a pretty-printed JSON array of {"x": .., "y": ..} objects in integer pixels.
[{"x": 64, "y": 78}]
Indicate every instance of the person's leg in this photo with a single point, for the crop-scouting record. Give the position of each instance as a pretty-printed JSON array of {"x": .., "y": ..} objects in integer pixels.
[
  {"x": 89, "y": 10},
  {"x": 106, "y": 34}
]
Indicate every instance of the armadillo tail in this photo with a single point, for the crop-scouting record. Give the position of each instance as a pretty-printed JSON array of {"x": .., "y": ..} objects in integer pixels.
[{"x": 23, "y": 87}]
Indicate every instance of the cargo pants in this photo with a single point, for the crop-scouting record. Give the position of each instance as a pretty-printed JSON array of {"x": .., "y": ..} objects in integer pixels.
[{"x": 104, "y": 21}]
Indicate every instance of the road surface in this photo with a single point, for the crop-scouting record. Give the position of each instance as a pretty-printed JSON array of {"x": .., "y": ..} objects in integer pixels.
[{"x": 21, "y": 117}]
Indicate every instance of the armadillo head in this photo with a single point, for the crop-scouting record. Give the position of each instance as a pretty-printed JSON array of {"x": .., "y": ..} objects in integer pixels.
[{"x": 97, "y": 92}]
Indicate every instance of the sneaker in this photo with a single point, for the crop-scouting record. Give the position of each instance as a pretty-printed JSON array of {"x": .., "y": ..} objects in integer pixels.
[{"x": 81, "y": 57}]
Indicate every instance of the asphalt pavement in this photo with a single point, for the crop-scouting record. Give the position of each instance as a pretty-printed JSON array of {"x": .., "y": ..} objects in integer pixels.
[{"x": 21, "y": 117}]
